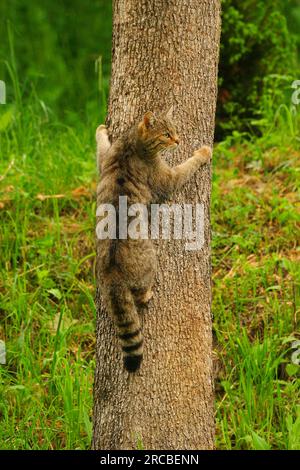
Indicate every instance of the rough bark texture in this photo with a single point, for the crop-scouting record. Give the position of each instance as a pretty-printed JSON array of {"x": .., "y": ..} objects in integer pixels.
[{"x": 164, "y": 52}]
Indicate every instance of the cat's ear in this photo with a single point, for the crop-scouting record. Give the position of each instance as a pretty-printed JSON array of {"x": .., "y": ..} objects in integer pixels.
[
  {"x": 169, "y": 113},
  {"x": 148, "y": 119}
]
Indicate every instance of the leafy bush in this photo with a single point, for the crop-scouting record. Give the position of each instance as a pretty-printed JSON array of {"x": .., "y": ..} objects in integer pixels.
[{"x": 257, "y": 62}]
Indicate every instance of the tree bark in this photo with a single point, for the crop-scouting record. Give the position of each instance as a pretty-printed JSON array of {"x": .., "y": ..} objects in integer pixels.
[{"x": 165, "y": 52}]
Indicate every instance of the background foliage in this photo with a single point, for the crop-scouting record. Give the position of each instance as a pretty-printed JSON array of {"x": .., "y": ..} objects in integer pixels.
[
  {"x": 57, "y": 89},
  {"x": 58, "y": 43},
  {"x": 258, "y": 61}
]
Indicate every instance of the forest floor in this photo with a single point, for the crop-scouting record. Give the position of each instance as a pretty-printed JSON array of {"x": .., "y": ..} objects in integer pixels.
[{"x": 47, "y": 314}]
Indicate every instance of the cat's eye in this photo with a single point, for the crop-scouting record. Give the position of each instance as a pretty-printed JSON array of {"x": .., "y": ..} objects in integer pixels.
[{"x": 168, "y": 135}]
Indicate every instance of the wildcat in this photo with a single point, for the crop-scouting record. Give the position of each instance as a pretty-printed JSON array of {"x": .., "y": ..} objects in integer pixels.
[{"x": 132, "y": 166}]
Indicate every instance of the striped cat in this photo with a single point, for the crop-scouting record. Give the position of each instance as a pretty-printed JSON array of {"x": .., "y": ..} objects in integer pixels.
[{"x": 132, "y": 166}]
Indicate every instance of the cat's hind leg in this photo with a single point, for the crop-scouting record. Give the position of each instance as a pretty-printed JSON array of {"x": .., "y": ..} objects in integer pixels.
[{"x": 103, "y": 144}]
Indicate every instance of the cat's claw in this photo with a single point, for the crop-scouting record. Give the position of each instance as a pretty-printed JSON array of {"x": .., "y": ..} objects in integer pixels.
[{"x": 203, "y": 153}]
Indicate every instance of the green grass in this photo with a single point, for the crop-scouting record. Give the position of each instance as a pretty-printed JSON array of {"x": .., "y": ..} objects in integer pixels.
[
  {"x": 256, "y": 291},
  {"x": 46, "y": 286},
  {"x": 47, "y": 315}
]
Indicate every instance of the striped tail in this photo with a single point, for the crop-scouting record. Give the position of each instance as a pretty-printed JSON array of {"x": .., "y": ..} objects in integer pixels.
[{"x": 127, "y": 323}]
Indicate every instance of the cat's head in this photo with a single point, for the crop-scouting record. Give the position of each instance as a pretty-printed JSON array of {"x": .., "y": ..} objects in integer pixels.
[{"x": 157, "y": 133}]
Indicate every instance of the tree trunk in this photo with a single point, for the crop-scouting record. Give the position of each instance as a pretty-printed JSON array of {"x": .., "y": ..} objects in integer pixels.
[{"x": 165, "y": 52}]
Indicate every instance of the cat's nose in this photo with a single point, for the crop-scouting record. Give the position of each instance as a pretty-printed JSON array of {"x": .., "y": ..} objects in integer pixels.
[{"x": 176, "y": 140}]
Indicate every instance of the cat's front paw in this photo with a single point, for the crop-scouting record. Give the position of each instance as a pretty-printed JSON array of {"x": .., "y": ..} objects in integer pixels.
[
  {"x": 203, "y": 154},
  {"x": 102, "y": 129}
]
